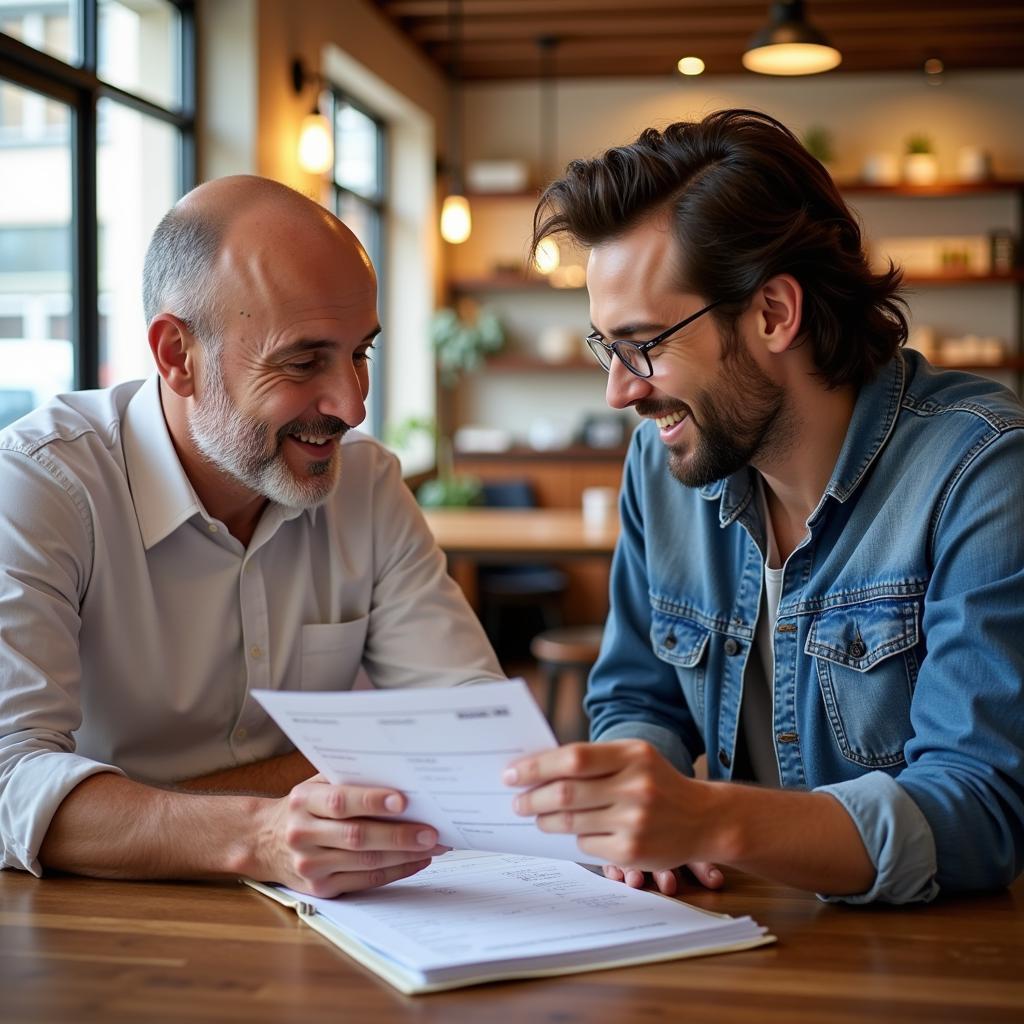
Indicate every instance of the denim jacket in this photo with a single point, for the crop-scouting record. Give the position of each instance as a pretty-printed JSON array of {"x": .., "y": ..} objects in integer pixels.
[{"x": 899, "y": 647}]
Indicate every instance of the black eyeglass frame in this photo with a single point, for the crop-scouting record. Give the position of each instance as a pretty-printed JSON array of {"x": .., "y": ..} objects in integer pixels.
[{"x": 602, "y": 348}]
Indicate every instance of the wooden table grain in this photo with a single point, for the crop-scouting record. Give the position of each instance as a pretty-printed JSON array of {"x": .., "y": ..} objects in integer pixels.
[{"x": 84, "y": 951}]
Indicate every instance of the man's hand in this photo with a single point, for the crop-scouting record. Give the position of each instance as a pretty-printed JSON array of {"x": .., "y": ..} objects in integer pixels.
[
  {"x": 626, "y": 804},
  {"x": 668, "y": 882},
  {"x": 324, "y": 839}
]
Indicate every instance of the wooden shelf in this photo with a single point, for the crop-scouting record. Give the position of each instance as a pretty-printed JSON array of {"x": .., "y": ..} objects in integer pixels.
[
  {"x": 506, "y": 283},
  {"x": 573, "y": 453},
  {"x": 516, "y": 362},
  {"x": 1011, "y": 364},
  {"x": 960, "y": 278},
  {"x": 943, "y": 189}
]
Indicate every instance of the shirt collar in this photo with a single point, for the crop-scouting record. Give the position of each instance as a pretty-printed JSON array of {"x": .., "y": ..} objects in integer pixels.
[
  {"x": 872, "y": 423},
  {"x": 161, "y": 490},
  {"x": 163, "y": 496}
]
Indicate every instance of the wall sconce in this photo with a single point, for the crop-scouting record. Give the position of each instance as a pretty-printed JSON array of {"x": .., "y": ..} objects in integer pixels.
[
  {"x": 790, "y": 45},
  {"x": 316, "y": 141}
]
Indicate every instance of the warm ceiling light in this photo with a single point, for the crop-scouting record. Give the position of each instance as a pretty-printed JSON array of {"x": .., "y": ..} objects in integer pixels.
[
  {"x": 788, "y": 45},
  {"x": 547, "y": 256},
  {"x": 691, "y": 66},
  {"x": 456, "y": 221}
]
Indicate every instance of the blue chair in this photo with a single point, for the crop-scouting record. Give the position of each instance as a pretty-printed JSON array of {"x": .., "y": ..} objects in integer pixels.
[{"x": 517, "y": 600}]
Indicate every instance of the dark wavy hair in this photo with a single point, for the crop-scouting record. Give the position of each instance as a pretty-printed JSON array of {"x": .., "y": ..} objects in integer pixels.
[{"x": 747, "y": 202}]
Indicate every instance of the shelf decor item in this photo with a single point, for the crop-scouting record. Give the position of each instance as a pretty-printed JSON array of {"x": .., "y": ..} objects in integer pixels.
[
  {"x": 463, "y": 338},
  {"x": 919, "y": 165}
]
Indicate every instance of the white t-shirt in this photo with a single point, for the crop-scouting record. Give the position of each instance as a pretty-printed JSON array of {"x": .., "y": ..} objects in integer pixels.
[{"x": 757, "y": 710}]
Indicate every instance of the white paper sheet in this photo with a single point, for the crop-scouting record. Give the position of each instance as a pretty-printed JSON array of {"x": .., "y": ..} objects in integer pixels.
[
  {"x": 445, "y": 749},
  {"x": 477, "y": 908}
]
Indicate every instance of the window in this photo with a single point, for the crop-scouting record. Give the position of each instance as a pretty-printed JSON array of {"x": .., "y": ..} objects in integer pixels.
[
  {"x": 360, "y": 200},
  {"x": 96, "y": 142}
]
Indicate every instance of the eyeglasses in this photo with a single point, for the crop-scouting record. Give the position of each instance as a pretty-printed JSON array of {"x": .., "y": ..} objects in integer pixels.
[{"x": 632, "y": 354}]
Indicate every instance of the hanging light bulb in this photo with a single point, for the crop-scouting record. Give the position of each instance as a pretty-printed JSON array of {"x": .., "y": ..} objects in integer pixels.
[
  {"x": 316, "y": 148},
  {"x": 789, "y": 45},
  {"x": 547, "y": 256},
  {"x": 456, "y": 220}
]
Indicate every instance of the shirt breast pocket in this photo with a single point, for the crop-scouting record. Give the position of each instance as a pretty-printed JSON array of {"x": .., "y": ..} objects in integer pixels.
[
  {"x": 866, "y": 662},
  {"x": 682, "y": 642},
  {"x": 332, "y": 653}
]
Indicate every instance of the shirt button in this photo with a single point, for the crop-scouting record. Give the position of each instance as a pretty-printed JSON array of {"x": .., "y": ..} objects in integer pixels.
[
  {"x": 856, "y": 649},
  {"x": 212, "y": 527},
  {"x": 723, "y": 759},
  {"x": 731, "y": 646},
  {"x": 256, "y": 652},
  {"x": 241, "y": 732},
  {"x": 670, "y": 641}
]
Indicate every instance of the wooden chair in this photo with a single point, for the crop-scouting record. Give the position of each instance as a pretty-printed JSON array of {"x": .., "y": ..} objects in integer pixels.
[{"x": 571, "y": 652}]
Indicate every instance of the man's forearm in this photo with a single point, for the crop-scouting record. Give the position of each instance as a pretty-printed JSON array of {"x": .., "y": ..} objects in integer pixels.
[
  {"x": 806, "y": 840},
  {"x": 274, "y": 777},
  {"x": 112, "y": 827}
]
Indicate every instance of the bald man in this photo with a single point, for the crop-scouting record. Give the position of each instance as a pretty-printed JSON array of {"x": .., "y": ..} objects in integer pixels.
[{"x": 167, "y": 546}]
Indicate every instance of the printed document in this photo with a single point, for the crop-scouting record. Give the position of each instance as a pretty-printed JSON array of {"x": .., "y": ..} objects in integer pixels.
[
  {"x": 445, "y": 749},
  {"x": 474, "y": 917}
]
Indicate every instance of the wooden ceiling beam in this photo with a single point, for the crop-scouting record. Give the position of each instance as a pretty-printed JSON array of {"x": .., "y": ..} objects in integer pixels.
[
  {"x": 432, "y": 32},
  {"x": 639, "y": 46}
]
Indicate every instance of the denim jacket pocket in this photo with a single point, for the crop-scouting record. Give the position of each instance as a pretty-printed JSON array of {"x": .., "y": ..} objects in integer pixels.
[
  {"x": 682, "y": 642},
  {"x": 867, "y": 667}
]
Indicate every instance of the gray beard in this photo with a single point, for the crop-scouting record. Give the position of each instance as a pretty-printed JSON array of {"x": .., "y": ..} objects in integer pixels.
[{"x": 240, "y": 446}]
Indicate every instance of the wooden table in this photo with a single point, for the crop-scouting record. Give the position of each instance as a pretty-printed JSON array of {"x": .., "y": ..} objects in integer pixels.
[
  {"x": 83, "y": 951},
  {"x": 501, "y": 535},
  {"x": 520, "y": 533}
]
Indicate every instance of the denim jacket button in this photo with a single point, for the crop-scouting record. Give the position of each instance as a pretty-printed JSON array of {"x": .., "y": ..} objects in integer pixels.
[
  {"x": 723, "y": 759},
  {"x": 731, "y": 646},
  {"x": 856, "y": 649},
  {"x": 670, "y": 641}
]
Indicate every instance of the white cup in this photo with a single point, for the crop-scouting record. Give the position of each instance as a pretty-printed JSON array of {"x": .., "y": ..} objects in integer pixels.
[{"x": 598, "y": 506}]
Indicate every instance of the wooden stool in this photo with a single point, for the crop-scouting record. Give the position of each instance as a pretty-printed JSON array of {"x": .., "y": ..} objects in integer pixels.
[{"x": 573, "y": 651}]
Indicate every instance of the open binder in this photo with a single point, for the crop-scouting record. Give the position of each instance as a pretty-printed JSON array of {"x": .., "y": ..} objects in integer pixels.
[{"x": 474, "y": 917}]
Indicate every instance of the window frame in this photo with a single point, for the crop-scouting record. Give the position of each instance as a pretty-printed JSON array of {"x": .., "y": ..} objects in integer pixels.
[
  {"x": 378, "y": 251},
  {"x": 80, "y": 88}
]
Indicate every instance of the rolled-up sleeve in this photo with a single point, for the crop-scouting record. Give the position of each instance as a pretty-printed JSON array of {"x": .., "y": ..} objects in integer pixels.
[
  {"x": 896, "y": 835},
  {"x": 45, "y": 552},
  {"x": 953, "y": 818}
]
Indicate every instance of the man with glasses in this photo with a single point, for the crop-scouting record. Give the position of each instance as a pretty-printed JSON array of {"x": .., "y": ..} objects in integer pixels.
[{"x": 820, "y": 575}]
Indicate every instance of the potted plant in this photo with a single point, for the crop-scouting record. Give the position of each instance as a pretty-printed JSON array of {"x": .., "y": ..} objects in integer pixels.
[
  {"x": 919, "y": 164},
  {"x": 447, "y": 489},
  {"x": 818, "y": 142},
  {"x": 463, "y": 337}
]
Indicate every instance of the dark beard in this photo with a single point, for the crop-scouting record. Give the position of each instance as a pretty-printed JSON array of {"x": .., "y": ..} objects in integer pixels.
[{"x": 740, "y": 420}]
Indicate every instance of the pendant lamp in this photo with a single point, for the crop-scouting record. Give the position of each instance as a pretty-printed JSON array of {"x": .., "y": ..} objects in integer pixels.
[
  {"x": 790, "y": 45},
  {"x": 456, "y": 217}
]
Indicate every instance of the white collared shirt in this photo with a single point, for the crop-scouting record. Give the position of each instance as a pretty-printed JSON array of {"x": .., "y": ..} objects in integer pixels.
[{"x": 133, "y": 626}]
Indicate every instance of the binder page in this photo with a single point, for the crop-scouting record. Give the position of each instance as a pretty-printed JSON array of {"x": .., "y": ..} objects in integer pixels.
[
  {"x": 477, "y": 909},
  {"x": 445, "y": 749}
]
